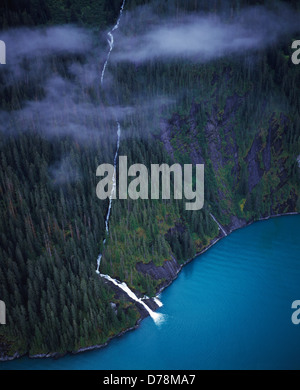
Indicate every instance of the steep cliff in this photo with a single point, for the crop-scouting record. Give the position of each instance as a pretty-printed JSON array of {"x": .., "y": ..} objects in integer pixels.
[{"x": 249, "y": 168}]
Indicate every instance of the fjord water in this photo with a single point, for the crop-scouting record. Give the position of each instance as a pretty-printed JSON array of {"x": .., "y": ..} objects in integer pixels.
[{"x": 229, "y": 309}]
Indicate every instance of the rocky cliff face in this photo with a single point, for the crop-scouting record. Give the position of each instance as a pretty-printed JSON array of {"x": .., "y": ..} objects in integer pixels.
[
  {"x": 165, "y": 274},
  {"x": 263, "y": 161},
  {"x": 251, "y": 169},
  {"x": 259, "y": 171}
]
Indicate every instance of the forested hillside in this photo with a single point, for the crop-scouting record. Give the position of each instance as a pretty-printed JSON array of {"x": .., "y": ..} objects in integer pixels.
[
  {"x": 45, "y": 12},
  {"x": 238, "y": 114}
]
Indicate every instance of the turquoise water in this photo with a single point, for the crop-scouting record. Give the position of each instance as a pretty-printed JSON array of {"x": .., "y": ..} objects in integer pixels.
[{"x": 229, "y": 309}]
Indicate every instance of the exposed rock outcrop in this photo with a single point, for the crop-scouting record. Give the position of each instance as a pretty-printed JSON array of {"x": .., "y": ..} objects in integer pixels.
[
  {"x": 236, "y": 223},
  {"x": 166, "y": 273}
]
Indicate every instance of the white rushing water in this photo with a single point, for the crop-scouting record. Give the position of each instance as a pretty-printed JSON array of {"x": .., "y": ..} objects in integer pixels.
[
  {"x": 158, "y": 302},
  {"x": 220, "y": 226},
  {"x": 158, "y": 318},
  {"x": 114, "y": 185},
  {"x": 113, "y": 190},
  {"x": 111, "y": 41},
  {"x": 111, "y": 46}
]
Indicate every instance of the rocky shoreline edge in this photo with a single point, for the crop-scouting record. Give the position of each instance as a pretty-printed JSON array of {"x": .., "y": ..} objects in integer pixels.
[{"x": 235, "y": 224}]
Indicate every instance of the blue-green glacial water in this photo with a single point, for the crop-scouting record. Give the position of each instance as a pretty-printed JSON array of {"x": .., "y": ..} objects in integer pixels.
[{"x": 230, "y": 308}]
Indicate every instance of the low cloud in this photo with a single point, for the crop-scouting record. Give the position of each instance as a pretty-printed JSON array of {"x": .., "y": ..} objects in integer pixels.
[
  {"x": 60, "y": 67},
  {"x": 202, "y": 37},
  {"x": 57, "y": 68},
  {"x": 41, "y": 42},
  {"x": 64, "y": 171}
]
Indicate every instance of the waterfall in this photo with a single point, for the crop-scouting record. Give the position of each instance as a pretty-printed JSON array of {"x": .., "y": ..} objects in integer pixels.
[
  {"x": 158, "y": 302},
  {"x": 111, "y": 42},
  {"x": 220, "y": 226},
  {"x": 113, "y": 190},
  {"x": 158, "y": 318},
  {"x": 111, "y": 46}
]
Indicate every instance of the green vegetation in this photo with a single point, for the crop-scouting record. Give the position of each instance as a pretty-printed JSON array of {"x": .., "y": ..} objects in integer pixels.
[
  {"x": 50, "y": 238},
  {"x": 98, "y": 14},
  {"x": 243, "y": 121}
]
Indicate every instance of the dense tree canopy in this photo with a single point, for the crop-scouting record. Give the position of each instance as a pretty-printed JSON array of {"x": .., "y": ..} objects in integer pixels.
[{"x": 51, "y": 223}]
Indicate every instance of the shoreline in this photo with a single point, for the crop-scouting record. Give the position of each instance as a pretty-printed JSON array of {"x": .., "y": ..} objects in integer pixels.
[
  {"x": 218, "y": 238},
  {"x": 57, "y": 355}
]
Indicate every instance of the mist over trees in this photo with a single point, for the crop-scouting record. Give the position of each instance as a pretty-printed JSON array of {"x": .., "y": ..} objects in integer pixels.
[{"x": 238, "y": 114}]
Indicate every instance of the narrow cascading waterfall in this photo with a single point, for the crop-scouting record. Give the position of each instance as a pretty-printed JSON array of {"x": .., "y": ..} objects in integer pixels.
[
  {"x": 158, "y": 302},
  {"x": 158, "y": 318},
  {"x": 220, "y": 226},
  {"x": 111, "y": 41},
  {"x": 111, "y": 46},
  {"x": 113, "y": 190},
  {"x": 114, "y": 183}
]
